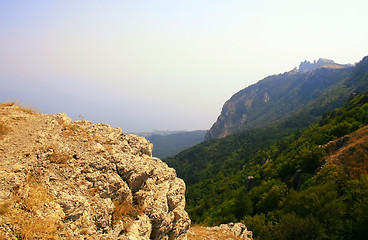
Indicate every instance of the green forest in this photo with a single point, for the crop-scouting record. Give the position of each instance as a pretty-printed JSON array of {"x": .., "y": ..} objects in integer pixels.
[{"x": 276, "y": 179}]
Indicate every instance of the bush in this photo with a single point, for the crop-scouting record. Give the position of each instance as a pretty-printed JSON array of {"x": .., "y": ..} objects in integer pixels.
[
  {"x": 293, "y": 227},
  {"x": 258, "y": 225},
  {"x": 3, "y": 129}
]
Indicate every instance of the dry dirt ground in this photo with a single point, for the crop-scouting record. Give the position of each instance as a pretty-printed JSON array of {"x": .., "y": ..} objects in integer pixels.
[
  {"x": 350, "y": 152},
  {"x": 22, "y": 132},
  {"x": 203, "y": 233}
]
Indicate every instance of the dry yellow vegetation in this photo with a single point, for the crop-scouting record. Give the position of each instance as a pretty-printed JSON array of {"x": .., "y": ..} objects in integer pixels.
[
  {"x": 31, "y": 220},
  {"x": 20, "y": 106}
]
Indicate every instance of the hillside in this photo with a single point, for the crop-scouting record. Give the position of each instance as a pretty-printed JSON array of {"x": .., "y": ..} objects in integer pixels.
[
  {"x": 278, "y": 96},
  {"x": 77, "y": 180},
  {"x": 227, "y": 155},
  {"x": 221, "y": 172},
  {"x": 350, "y": 152},
  {"x": 312, "y": 184}
]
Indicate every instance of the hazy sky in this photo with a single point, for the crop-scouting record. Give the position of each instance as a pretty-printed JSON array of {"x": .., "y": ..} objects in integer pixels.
[{"x": 165, "y": 65}]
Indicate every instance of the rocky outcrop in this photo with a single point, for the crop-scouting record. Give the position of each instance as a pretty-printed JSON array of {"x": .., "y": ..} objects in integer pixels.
[
  {"x": 77, "y": 180},
  {"x": 231, "y": 231},
  {"x": 238, "y": 230},
  {"x": 234, "y": 113},
  {"x": 308, "y": 66}
]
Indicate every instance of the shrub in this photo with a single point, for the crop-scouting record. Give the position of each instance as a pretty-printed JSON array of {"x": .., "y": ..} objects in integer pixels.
[
  {"x": 4, "y": 207},
  {"x": 21, "y": 106},
  {"x": 58, "y": 158},
  {"x": 293, "y": 227},
  {"x": 3, "y": 129}
]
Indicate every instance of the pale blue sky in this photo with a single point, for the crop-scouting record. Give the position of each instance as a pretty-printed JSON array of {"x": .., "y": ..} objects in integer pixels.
[{"x": 166, "y": 65}]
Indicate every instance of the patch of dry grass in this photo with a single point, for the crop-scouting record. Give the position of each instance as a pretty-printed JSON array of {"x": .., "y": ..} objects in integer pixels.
[
  {"x": 4, "y": 207},
  {"x": 3, "y": 129},
  {"x": 71, "y": 128},
  {"x": 54, "y": 156},
  {"x": 74, "y": 130},
  {"x": 58, "y": 158},
  {"x": 126, "y": 212},
  {"x": 7, "y": 104},
  {"x": 93, "y": 191},
  {"x": 28, "y": 213},
  {"x": 21, "y": 107}
]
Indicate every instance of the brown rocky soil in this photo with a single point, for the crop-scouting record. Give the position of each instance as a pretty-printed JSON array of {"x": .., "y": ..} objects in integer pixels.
[
  {"x": 350, "y": 152},
  {"x": 228, "y": 231}
]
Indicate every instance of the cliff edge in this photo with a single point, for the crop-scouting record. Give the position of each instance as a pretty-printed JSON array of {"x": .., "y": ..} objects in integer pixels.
[{"x": 61, "y": 179}]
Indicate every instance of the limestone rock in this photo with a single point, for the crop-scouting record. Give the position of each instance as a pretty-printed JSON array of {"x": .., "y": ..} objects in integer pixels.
[
  {"x": 322, "y": 62},
  {"x": 238, "y": 230},
  {"x": 83, "y": 181}
]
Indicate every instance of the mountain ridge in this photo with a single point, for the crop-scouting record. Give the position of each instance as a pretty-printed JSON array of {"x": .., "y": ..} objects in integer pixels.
[
  {"x": 322, "y": 62},
  {"x": 272, "y": 98}
]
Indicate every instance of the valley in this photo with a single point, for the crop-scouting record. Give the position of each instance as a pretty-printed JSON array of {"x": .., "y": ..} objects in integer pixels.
[{"x": 286, "y": 159}]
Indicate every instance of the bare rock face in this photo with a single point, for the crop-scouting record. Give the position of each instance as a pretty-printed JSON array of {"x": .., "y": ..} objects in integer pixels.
[
  {"x": 322, "y": 62},
  {"x": 77, "y": 180},
  {"x": 234, "y": 113}
]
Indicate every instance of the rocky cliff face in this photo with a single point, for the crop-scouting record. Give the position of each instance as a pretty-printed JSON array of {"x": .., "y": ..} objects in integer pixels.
[
  {"x": 234, "y": 113},
  {"x": 77, "y": 180},
  {"x": 276, "y": 97},
  {"x": 308, "y": 66}
]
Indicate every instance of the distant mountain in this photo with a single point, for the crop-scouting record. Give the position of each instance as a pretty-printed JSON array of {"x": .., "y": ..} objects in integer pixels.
[
  {"x": 166, "y": 144},
  {"x": 322, "y": 62},
  {"x": 156, "y": 132},
  {"x": 279, "y": 96}
]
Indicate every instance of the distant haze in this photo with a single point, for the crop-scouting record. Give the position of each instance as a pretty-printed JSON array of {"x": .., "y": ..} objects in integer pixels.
[{"x": 165, "y": 65}]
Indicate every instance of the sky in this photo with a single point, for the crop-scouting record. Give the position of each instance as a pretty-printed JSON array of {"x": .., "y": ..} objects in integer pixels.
[{"x": 148, "y": 65}]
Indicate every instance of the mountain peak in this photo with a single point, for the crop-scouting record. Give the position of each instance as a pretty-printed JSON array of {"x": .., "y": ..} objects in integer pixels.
[{"x": 308, "y": 66}]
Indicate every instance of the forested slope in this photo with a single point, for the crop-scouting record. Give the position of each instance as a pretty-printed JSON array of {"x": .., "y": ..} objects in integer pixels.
[
  {"x": 276, "y": 179},
  {"x": 228, "y": 155},
  {"x": 290, "y": 191}
]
